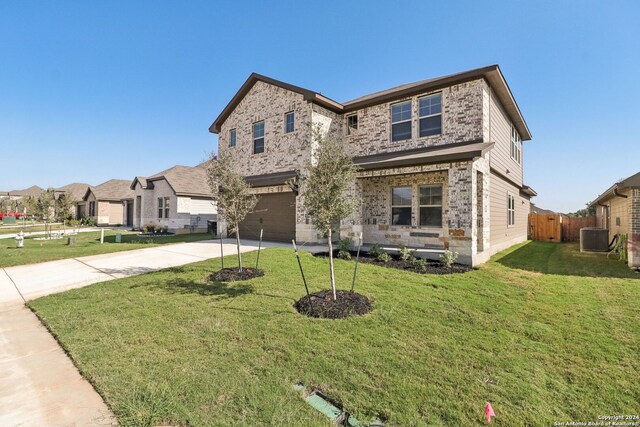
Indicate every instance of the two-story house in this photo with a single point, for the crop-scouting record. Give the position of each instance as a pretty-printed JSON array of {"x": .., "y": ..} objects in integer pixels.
[{"x": 441, "y": 161}]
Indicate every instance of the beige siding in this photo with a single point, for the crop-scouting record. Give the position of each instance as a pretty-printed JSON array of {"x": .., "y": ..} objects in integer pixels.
[
  {"x": 618, "y": 208},
  {"x": 499, "y": 132},
  {"x": 502, "y": 235},
  {"x": 116, "y": 212}
]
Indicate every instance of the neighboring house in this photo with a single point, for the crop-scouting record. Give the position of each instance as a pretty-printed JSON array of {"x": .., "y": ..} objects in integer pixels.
[
  {"x": 537, "y": 210},
  {"x": 110, "y": 203},
  {"x": 178, "y": 198},
  {"x": 33, "y": 191},
  {"x": 76, "y": 192},
  {"x": 441, "y": 161},
  {"x": 618, "y": 210}
]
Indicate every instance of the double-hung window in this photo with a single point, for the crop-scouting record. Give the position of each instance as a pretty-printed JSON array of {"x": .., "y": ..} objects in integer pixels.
[
  {"x": 511, "y": 210},
  {"x": 516, "y": 145},
  {"x": 163, "y": 207},
  {"x": 431, "y": 205},
  {"x": 430, "y": 113},
  {"x": 232, "y": 138},
  {"x": 92, "y": 208},
  {"x": 401, "y": 121},
  {"x": 401, "y": 206},
  {"x": 352, "y": 123},
  {"x": 289, "y": 122},
  {"x": 258, "y": 137}
]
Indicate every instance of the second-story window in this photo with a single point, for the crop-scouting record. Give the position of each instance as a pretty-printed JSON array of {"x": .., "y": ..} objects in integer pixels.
[
  {"x": 232, "y": 138},
  {"x": 516, "y": 145},
  {"x": 352, "y": 123},
  {"x": 289, "y": 122},
  {"x": 401, "y": 121},
  {"x": 430, "y": 114},
  {"x": 258, "y": 137}
]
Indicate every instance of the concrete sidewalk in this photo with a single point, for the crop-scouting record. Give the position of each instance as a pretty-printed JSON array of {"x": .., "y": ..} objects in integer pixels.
[{"x": 39, "y": 385}]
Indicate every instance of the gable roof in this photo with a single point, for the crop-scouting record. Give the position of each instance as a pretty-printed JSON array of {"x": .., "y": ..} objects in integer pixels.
[
  {"x": 112, "y": 190},
  {"x": 492, "y": 74},
  {"x": 631, "y": 182},
  {"x": 34, "y": 191},
  {"x": 76, "y": 190},
  {"x": 184, "y": 180}
]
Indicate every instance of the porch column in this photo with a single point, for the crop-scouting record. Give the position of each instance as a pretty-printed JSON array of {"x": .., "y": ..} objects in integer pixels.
[
  {"x": 461, "y": 207},
  {"x": 633, "y": 245}
]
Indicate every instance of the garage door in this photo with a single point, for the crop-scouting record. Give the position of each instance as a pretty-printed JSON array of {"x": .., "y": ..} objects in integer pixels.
[{"x": 275, "y": 214}]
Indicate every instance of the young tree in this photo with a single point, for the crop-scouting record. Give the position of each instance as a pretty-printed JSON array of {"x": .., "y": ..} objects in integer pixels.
[
  {"x": 45, "y": 204},
  {"x": 63, "y": 207},
  {"x": 232, "y": 195},
  {"x": 329, "y": 175}
]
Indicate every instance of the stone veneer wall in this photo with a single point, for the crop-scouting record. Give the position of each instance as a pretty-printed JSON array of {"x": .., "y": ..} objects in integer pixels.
[
  {"x": 462, "y": 120},
  {"x": 634, "y": 235}
]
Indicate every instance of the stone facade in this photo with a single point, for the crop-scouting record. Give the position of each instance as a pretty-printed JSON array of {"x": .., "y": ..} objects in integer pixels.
[
  {"x": 634, "y": 234},
  {"x": 469, "y": 213}
]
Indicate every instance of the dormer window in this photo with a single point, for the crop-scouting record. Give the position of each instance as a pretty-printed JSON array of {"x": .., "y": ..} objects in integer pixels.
[
  {"x": 258, "y": 137},
  {"x": 352, "y": 123},
  {"x": 430, "y": 113},
  {"x": 516, "y": 145},
  {"x": 401, "y": 121}
]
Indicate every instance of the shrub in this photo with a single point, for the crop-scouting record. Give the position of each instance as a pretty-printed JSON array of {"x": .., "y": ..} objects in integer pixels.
[
  {"x": 384, "y": 257},
  {"x": 449, "y": 257},
  {"x": 375, "y": 250},
  {"x": 418, "y": 263},
  {"x": 88, "y": 221},
  {"x": 344, "y": 246},
  {"x": 150, "y": 228},
  {"x": 405, "y": 253}
]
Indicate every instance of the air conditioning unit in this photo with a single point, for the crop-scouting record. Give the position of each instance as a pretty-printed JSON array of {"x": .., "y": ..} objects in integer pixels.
[{"x": 594, "y": 239}]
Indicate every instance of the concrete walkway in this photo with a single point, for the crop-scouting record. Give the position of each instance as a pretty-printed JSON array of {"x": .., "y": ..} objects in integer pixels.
[{"x": 39, "y": 385}]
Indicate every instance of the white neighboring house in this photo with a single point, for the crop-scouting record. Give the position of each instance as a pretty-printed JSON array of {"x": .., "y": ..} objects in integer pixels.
[{"x": 179, "y": 198}]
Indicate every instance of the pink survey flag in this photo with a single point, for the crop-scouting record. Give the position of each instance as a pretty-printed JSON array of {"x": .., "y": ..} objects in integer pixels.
[{"x": 488, "y": 411}]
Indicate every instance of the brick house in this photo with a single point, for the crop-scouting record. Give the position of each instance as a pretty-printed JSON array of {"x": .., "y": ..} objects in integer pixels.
[
  {"x": 109, "y": 203},
  {"x": 178, "y": 198},
  {"x": 440, "y": 161},
  {"x": 618, "y": 210}
]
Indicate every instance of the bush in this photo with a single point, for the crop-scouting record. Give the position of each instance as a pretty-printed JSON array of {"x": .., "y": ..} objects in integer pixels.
[
  {"x": 418, "y": 263},
  {"x": 149, "y": 228},
  {"x": 88, "y": 221},
  {"x": 344, "y": 246},
  {"x": 449, "y": 257},
  {"x": 384, "y": 257},
  {"x": 405, "y": 253},
  {"x": 375, "y": 250}
]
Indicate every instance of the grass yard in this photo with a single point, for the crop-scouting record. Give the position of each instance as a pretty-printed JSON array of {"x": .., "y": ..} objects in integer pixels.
[
  {"x": 17, "y": 227},
  {"x": 545, "y": 333},
  {"x": 86, "y": 244}
]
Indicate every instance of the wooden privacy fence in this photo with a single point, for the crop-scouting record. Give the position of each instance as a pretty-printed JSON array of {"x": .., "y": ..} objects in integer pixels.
[{"x": 557, "y": 228}]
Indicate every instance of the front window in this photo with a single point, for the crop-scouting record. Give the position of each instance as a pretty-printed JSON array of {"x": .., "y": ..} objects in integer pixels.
[
  {"x": 401, "y": 206},
  {"x": 352, "y": 123},
  {"x": 516, "y": 145},
  {"x": 511, "y": 210},
  {"x": 401, "y": 121},
  {"x": 258, "y": 137},
  {"x": 289, "y": 120},
  {"x": 431, "y": 205},
  {"x": 92, "y": 208},
  {"x": 232, "y": 138},
  {"x": 163, "y": 207},
  {"x": 430, "y": 113}
]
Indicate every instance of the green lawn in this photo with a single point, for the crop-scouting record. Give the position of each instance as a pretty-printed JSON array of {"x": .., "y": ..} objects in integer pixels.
[
  {"x": 530, "y": 331},
  {"x": 86, "y": 244},
  {"x": 17, "y": 227}
]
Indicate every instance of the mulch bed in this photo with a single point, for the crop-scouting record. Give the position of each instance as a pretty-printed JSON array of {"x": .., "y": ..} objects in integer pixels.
[
  {"x": 321, "y": 304},
  {"x": 233, "y": 275},
  {"x": 432, "y": 266}
]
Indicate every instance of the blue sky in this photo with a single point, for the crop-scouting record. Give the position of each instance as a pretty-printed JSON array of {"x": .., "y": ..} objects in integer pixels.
[{"x": 96, "y": 90}]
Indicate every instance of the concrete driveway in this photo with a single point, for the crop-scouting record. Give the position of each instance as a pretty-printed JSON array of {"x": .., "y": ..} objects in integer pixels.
[{"x": 39, "y": 385}]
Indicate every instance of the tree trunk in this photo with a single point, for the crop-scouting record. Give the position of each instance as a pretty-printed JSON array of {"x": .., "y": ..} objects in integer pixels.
[
  {"x": 238, "y": 246},
  {"x": 333, "y": 278}
]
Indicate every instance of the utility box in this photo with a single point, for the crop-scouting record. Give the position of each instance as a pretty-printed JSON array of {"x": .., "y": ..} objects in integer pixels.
[
  {"x": 594, "y": 239},
  {"x": 118, "y": 238}
]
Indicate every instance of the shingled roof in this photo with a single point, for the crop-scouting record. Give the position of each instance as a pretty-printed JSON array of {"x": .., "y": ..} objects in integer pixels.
[
  {"x": 184, "y": 180},
  {"x": 76, "y": 190},
  {"x": 631, "y": 182},
  {"x": 34, "y": 191},
  {"x": 112, "y": 190}
]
